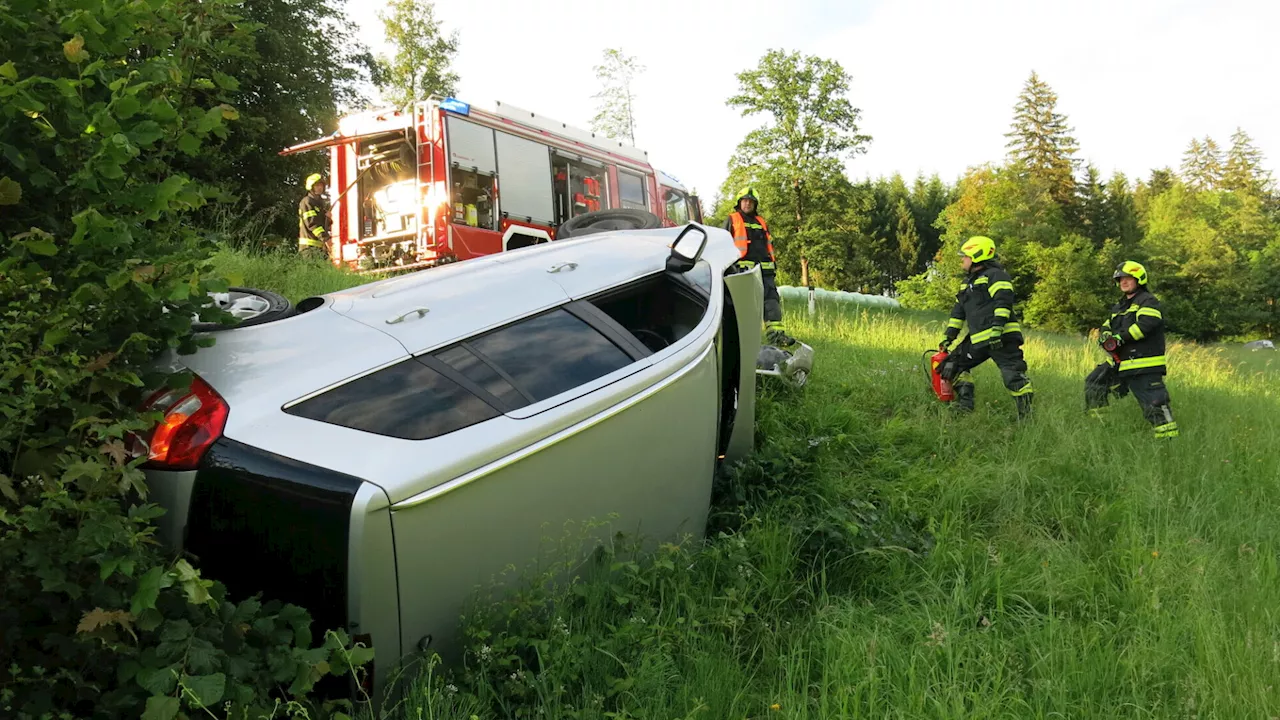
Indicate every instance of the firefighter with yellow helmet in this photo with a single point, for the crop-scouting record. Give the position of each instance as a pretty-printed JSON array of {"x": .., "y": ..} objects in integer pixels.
[
  {"x": 313, "y": 219},
  {"x": 755, "y": 247},
  {"x": 986, "y": 304},
  {"x": 1134, "y": 336}
]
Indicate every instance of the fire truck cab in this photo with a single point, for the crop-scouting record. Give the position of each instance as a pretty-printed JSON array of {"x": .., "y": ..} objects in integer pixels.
[{"x": 444, "y": 181}]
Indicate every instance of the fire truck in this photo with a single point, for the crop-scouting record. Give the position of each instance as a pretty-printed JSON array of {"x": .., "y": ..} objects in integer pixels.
[{"x": 442, "y": 180}]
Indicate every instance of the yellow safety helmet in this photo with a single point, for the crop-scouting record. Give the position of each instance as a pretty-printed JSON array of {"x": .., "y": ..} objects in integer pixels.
[
  {"x": 979, "y": 248},
  {"x": 312, "y": 179},
  {"x": 1132, "y": 269},
  {"x": 747, "y": 192}
]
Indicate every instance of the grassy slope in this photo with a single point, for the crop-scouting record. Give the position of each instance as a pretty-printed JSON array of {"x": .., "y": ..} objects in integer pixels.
[{"x": 1077, "y": 567}]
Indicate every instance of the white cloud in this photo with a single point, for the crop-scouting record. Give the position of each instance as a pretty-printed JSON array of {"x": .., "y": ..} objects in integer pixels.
[{"x": 936, "y": 80}]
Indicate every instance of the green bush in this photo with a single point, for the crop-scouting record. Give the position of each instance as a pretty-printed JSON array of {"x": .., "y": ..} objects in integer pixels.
[{"x": 102, "y": 270}]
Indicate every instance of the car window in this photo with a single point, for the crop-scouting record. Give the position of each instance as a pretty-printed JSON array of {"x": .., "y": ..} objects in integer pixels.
[
  {"x": 550, "y": 353},
  {"x": 466, "y": 362},
  {"x": 631, "y": 191},
  {"x": 677, "y": 208},
  {"x": 658, "y": 310},
  {"x": 407, "y": 400}
]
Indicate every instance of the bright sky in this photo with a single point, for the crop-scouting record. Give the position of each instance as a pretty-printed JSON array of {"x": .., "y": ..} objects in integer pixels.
[{"x": 936, "y": 80}]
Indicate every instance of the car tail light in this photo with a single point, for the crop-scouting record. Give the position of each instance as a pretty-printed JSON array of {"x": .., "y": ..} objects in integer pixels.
[{"x": 193, "y": 419}]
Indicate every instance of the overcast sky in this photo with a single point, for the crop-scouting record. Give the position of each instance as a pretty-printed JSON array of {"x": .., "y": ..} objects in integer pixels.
[{"x": 935, "y": 80}]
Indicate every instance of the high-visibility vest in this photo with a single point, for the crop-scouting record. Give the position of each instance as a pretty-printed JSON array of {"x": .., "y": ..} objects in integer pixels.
[{"x": 740, "y": 226}]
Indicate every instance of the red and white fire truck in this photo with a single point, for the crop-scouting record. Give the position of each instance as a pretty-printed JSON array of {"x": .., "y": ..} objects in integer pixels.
[{"x": 444, "y": 181}]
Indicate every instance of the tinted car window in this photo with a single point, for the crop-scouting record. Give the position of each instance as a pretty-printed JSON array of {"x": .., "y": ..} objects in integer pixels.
[
  {"x": 480, "y": 373},
  {"x": 551, "y": 353},
  {"x": 408, "y": 400}
]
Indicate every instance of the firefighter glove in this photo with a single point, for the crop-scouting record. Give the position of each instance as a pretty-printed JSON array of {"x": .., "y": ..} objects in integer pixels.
[{"x": 945, "y": 344}]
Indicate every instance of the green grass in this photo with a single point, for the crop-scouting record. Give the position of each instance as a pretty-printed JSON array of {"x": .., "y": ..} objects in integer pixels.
[
  {"x": 879, "y": 558},
  {"x": 284, "y": 272}
]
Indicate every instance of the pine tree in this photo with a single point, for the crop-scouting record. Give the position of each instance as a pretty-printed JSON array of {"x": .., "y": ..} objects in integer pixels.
[
  {"x": 1040, "y": 141},
  {"x": 1095, "y": 218},
  {"x": 908, "y": 240},
  {"x": 1243, "y": 169},
  {"x": 1122, "y": 211},
  {"x": 1202, "y": 164}
]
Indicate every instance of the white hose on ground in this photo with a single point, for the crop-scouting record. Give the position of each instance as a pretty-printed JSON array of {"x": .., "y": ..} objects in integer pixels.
[{"x": 800, "y": 294}]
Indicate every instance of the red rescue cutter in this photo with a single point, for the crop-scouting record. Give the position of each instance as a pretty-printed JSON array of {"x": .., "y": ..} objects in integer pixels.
[{"x": 443, "y": 181}]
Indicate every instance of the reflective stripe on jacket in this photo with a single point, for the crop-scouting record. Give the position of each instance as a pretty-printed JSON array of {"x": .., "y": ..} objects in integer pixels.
[
  {"x": 986, "y": 301},
  {"x": 752, "y": 238},
  {"x": 313, "y": 221},
  {"x": 1140, "y": 324}
]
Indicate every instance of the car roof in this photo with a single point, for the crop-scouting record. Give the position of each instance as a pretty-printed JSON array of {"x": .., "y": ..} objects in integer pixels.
[
  {"x": 258, "y": 369},
  {"x": 441, "y": 305}
]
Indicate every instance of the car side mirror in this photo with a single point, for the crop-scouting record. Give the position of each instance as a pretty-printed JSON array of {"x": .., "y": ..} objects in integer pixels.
[{"x": 683, "y": 255}]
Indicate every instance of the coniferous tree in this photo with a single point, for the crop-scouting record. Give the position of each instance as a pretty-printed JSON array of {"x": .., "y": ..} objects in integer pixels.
[
  {"x": 928, "y": 200},
  {"x": 1122, "y": 212},
  {"x": 1202, "y": 164},
  {"x": 908, "y": 241},
  {"x": 1041, "y": 143},
  {"x": 1243, "y": 168},
  {"x": 1095, "y": 218}
]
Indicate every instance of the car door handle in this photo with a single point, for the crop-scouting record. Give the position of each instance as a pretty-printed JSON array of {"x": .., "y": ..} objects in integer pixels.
[
  {"x": 419, "y": 311},
  {"x": 562, "y": 266}
]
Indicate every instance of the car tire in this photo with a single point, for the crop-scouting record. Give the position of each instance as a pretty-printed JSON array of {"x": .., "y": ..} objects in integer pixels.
[
  {"x": 252, "y": 306},
  {"x": 608, "y": 220}
]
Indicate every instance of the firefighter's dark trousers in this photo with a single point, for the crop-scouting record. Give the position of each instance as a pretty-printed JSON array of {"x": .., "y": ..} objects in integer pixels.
[
  {"x": 772, "y": 301},
  {"x": 1013, "y": 371},
  {"x": 1148, "y": 389}
]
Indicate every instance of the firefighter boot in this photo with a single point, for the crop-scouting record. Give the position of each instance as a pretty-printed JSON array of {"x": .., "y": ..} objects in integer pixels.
[
  {"x": 778, "y": 337},
  {"x": 1024, "y": 405},
  {"x": 963, "y": 404},
  {"x": 1163, "y": 424}
]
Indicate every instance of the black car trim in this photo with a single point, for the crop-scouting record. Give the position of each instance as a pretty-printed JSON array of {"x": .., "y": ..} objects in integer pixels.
[{"x": 264, "y": 523}]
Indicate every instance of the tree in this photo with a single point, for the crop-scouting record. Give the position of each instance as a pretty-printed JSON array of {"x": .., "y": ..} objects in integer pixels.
[
  {"x": 908, "y": 240},
  {"x": 928, "y": 199},
  {"x": 1243, "y": 171},
  {"x": 1095, "y": 220},
  {"x": 1074, "y": 285},
  {"x": 616, "y": 115},
  {"x": 421, "y": 66},
  {"x": 1202, "y": 165},
  {"x": 1122, "y": 212},
  {"x": 811, "y": 127},
  {"x": 102, "y": 269},
  {"x": 1004, "y": 204},
  {"x": 303, "y": 67},
  {"x": 1040, "y": 141}
]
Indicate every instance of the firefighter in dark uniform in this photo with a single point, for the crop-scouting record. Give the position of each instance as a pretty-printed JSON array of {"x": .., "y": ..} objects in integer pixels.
[
  {"x": 313, "y": 219},
  {"x": 986, "y": 303},
  {"x": 755, "y": 247},
  {"x": 1135, "y": 338}
]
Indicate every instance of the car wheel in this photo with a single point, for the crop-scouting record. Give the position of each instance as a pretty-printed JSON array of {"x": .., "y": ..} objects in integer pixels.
[
  {"x": 607, "y": 220},
  {"x": 249, "y": 306}
]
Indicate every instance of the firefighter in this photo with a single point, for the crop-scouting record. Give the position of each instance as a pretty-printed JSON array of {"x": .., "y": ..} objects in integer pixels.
[
  {"x": 313, "y": 219},
  {"x": 986, "y": 303},
  {"x": 1135, "y": 338},
  {"x": 755, "y": 247}
]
